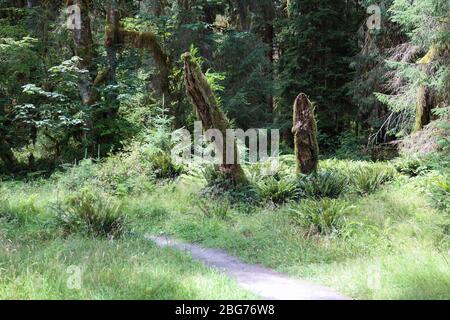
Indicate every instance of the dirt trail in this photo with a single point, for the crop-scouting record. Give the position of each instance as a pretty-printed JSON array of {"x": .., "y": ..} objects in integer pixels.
[{"x": 263, "y": 282}]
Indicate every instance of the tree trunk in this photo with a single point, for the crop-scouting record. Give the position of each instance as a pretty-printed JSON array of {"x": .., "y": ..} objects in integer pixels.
[
  {"x": 305, "y": 135},
  {"x": 425, "y": 101},
  {"x": 424, "y": 105},
  {"x": 7, "y": 156},
  {"x": 84, "y": 48},
  {"x": 202, "y": 97}
]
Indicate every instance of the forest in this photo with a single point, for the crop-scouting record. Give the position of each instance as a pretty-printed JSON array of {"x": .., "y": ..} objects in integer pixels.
[{"x": 338, "y": 172}]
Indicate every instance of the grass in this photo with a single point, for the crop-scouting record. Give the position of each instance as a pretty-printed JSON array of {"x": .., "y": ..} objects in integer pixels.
[
  {"x": 394, "y": 230},
  {"x": 384, "y": 243},
  {"x": 37, "y": 262},
  {"x": 124, "y": 269}
]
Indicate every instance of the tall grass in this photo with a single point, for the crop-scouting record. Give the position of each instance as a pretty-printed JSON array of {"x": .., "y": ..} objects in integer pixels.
[{"x": 91, "y": 213}]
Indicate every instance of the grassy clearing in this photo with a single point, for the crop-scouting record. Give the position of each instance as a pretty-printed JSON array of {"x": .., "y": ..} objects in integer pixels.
[
  {"x": 124, "y": 269},
  {"x": 37, "y": 261},
  {"x": 371, "y": 238},
  {"x": 391, "y": 244}
]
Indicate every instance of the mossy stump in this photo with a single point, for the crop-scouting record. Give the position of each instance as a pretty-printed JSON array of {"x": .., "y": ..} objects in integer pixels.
[{"x": 305, "y": 135}]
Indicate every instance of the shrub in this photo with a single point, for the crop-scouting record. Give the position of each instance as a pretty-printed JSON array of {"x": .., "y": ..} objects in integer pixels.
[
  {"x": 91, "y": 213},
  {"x": 76, "y": 176},
  {"x": 214, "y": 209},
  {"x": 20, "y": 210},
  {"x": 219, "y": 187},
  {"x": 352, "y": 146},
  {"x": 411, "y": 166},
  {"x": 277, "y": 191},
  {"x": 127, "y": 172},
  {"x": 368, "y": 178},
  {"x": 6, "y": 212},
  {"x": 325, "y": 216},
  {"x": 440, "y": 194},
  {"x": 217, "y": 179},
  {"x": 323, "y": 184},
  {"x": 164, "y": 167}
]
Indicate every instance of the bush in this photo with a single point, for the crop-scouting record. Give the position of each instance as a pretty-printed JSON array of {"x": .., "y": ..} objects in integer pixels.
[
  {"x": 20, "y": 210},
  {"x": 352, "y": 146},
  {"x": 76, "y": 176},
  {"x": 126, "y": 173},
  {"x": 320, "y": 217},
  {"x": 91, "y": 213},
  {"x": 440, "y": 194},
  {"x": 6, "y": 212},
  {"x": 164, "y": 167},
  {"x": 215, "y": 209},
  {"x": 277, "y": 191},
  {"x": 323, "y": 184},
  {"x": 411, "y": 166},
  {"x": 368, "y": 178},
  {"x": 219, "y": 187},
  {"x": 217, "y": 179}
]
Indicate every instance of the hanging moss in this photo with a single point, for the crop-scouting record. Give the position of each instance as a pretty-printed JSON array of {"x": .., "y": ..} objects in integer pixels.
[
  {"x": 305, "y": 135},
  {"x": 208, "y": 112},
  {"x": 117, "y": 36},
  {"x": 145, "y": 40}
]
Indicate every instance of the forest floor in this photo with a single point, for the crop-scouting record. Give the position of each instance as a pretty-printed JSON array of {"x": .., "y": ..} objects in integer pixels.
[{"x": 392, "y": 243}]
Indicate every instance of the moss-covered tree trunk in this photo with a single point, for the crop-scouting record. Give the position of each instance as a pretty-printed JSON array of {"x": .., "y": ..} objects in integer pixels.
[
  {"x": 424, "y": 105},
  {"x": 208, "y": 112},
  {"x": 425, "y": 97},
  {"x": 305, "y": 135}
]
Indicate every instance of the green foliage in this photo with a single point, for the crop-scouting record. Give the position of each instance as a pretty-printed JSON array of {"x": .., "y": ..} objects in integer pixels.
[
  {"x": 7, "y": 213},
  {"x": 323, "y": 184},
  {"x": 216, "y": 178},
  {"x": 215, "y": 209},
  {"x": 367, "y": 179},
  {"x": 412, "y": 166},
  {"x": 19, "y": 61},
  {"x": 352, "y": 147},
  {"x": 243, "y": 58},
  {"x": 316, "y": 46},
  {"x": 164, "y": 167},
  {"x": 418, "y": 62},
  {"x": 277, "y": 191},
  {"x": 321, "y": 217},
  {"x": 440, "y": 193},
  {"x": 127, "y": 173},
  {"x": 91, "y": 213},
  {"x": 74, "y": 177}
]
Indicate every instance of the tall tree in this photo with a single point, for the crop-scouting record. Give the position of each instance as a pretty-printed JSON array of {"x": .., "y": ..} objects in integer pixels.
[{"x": 316, "y": 40}]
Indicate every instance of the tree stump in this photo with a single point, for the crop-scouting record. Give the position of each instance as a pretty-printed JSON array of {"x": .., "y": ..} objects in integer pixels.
[{"x": 305, "y": 135}]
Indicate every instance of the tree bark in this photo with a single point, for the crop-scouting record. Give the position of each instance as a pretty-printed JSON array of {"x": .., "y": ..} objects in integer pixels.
[
  {"x": 6, "y": 155},
  {"x": 84, "y": 48},
  {"x": 425, "y": 97},
  {"x": 305, "y": 135},
  {"x": 424, "y": 105},
  {"x": 208, "y": 112}
]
